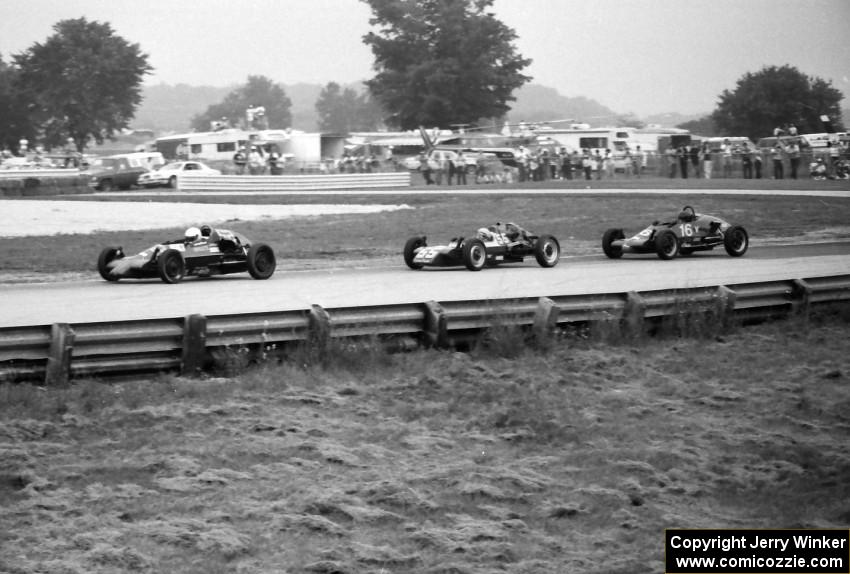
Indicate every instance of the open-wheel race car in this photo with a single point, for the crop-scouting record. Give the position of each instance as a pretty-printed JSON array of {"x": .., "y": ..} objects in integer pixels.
[
  {"x": 688, "y": 233},
  {"x": 490, "y": 246},
  {"x": 201, "y": 252}
]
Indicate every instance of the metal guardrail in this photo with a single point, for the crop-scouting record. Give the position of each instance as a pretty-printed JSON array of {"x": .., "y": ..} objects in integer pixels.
[
  {"x": 237, "y": 183},
  {"x": 56, "y": 353}
]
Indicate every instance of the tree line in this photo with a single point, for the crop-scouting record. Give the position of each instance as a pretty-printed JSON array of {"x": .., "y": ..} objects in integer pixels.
[{"x": 436, "y": 62}]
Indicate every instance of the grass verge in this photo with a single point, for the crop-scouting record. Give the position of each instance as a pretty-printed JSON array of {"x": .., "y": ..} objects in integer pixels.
[{"x": 570, "y": 460}]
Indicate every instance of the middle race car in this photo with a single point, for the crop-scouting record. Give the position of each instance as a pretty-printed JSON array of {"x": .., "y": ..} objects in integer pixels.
[
  {"x": 491, "y": 245},
  {"x": 689, "y": 232},
  {"x": 201, "y": 252}
]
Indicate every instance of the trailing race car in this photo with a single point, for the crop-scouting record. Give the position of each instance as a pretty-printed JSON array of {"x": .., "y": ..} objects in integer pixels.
[
  {"x": 689, "y": 232},
  {"x": 491, "y": 245},
  {"x": 201, "y": 252}
]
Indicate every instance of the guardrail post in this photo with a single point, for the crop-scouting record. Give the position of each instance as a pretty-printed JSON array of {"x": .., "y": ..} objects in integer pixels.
[
  {"x": 435, "y": 329},
  {"x": 58, "y": 368},
  {"x": 801, "y": 293},
  {"x": 319, "y": 337},
  {"x": 633, "y": 313},
  {"x": 725, "y": 305},
  {"x": 545, "y": 319},
  {"x": 194, "y": 345}
]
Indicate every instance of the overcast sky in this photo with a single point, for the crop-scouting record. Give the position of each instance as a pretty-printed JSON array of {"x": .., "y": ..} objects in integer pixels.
[{"x": 641, "y": 56}]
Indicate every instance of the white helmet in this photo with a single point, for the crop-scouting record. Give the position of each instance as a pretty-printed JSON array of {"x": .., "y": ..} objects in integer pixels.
[
  {"x": 192, "y": 234},
  {"x": 484, "y": 234}
]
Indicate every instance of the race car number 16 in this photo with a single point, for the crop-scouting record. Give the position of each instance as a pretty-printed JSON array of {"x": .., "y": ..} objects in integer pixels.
[{"x": 687, "y": 229}]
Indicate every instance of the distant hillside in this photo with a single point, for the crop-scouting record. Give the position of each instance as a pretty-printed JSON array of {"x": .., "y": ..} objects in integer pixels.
[
  {"x": 166, "y": 108},
  {"x": 536, "y": 103}
]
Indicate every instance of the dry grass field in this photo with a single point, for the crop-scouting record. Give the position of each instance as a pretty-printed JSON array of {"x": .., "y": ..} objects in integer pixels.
[{"x": 503, "y": 459}]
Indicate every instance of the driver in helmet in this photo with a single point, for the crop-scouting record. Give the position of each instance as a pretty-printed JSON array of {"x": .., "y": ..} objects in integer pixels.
[
  {"x": 484, "y": 234},
  {"x": 194, "y": 236},
  {"x": 515, "y": 233},
  {"x": 687, "y": 214}
]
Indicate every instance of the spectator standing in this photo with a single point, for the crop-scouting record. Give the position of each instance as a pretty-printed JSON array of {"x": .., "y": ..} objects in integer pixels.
[
  {"x": 640, "y": 159},
  {"x": 727, "y": 159},
  {"x": 834, "y": 150},
  {"x": 600, "y": 164},
  {"x": 670, "y": 154},
  {"x": 757, "y": 161},
  {"x": 694, "y": 153},
  {"x": 566, "y": 164},
  {"x": 425, "y": 169},
  {"x": 682, "y": 155},
  {"x": 240, "y": 160},
  {"x": 707, "y": 162},
  {"x": 793, "y": 158},
  {"x": 460, "y": 168},
  {"x": 776, "y": 156},
  {"x": 747, "y": 162},
  {"x": 274, "y": 168},
  {"x": 587, "y": 165},
  {"x": 256, "y": 162}
]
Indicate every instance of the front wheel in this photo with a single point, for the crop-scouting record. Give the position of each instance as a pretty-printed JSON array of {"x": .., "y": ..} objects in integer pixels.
[
  {"x": 547, "y": 251},
  {"x": 172, "y": 182},
  {"x": 666, "y": 244},
  {"x": 608, "y": 238},
  {"x": 171, "y": 266},
  {"x": 736, "y": 241},
  {"x": 410, "y": 248},
  {"x": 261, "y": 261},
  {"x": 107, "y": 256},
  {"x": 474, "y": 255}
]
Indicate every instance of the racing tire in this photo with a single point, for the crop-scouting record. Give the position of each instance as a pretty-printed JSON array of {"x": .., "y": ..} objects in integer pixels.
[
  {"x": 547, "y": 251},
  {"x": 474, "y": 255},
  {"x": 736, "y": 241},
  {"x": 612, "y": 251},
  {"x": 261, "y": 261},
  {"x": 171, "y": 266},
  {"x": 108, "y": 255},
  {"x": 172, "y": 182},
  {"x": 410, "y": 248},
  {"x": 666, "y": 244}
]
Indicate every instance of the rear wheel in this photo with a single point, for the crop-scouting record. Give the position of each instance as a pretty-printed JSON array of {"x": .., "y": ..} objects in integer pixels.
[
  {"x": 736, "y": 241},
  {"x": 474, "y": 255},
  {"x": 547, "y": 251},
  {"x": 261, "y": 261},
  {"x": 106, "y": 185},
  {"x": 172, "y": 182},
  {"x": 410, "y": 248},
  {"x": 666, "y": 244},
  {"x": 107, "y": 256},
  {"x": 612, "y": 251},
  {"x": 171, "y": 266}
]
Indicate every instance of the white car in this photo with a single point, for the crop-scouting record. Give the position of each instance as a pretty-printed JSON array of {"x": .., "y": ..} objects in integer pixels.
[{"x": 166, "y": 176}]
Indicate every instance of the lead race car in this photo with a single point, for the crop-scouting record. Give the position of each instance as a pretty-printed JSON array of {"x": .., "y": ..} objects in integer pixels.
[
  {"x": 688, "y": 233},
  {"x": 201, "y": 252},
  {"x": 490, "y": 246}
]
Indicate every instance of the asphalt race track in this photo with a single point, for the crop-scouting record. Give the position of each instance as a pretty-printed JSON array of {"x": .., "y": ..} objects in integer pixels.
[{"x": 97, "y": 300}]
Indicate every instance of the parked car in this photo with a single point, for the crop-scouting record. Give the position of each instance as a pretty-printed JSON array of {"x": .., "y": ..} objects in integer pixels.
[
  {"x": 167, "y": 175},
  {"x": 114, "y": 172}
]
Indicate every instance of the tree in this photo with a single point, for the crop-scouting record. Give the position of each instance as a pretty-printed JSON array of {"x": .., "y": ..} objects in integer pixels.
[
  {"x": 258, "y": 92},
  {"x": 441, "y": 62},
  {"x": 14, "y": 124},
  {"x": 344, "y": 111},
  {"x": 776, "y": 96},
  {"x": 84, "y": 82}
]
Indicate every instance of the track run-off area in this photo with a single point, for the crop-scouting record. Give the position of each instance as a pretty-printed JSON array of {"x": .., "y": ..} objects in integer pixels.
[{"x": 387, "y": 283}]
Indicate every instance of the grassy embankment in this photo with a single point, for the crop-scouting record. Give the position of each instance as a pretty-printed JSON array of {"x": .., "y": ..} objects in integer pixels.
[
  {"x": 578, "y": 221},
  {"x": 503, "y": 459}
]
